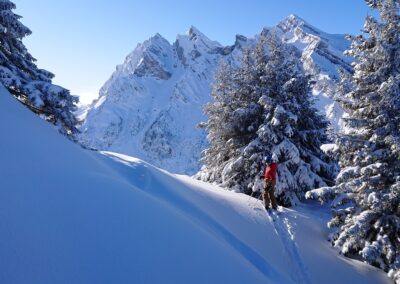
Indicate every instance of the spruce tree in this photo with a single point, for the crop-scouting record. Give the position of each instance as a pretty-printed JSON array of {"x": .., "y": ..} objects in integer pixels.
[
  {"x": 271, "y": 113},
  {"x": 20, "y": 75},
  {"x": 246, "y": 117},
  {"x": 219, "y": 125},
  {"x": 367, "y": 192},
  {"x": 232, "y": 120},
  {"x": 291, "y": 128}
]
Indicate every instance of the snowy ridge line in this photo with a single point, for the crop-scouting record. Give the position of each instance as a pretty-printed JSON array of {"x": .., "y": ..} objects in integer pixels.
[
  {"x": 194, "y": 213},
  {"x": 286, "y": 236}
]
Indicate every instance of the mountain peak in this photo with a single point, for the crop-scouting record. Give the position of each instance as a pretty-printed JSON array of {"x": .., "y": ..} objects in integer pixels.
[
  {"x": 194, "y": 32},
  {"x": 157, "y": 35},
  {"x": 294, "y": 17},
  {"x": 293, "y": 21},
  {"x": 195, "y": 36},
  {"x": 193, "y": 29},
  {"x": 158, "y": 38}
]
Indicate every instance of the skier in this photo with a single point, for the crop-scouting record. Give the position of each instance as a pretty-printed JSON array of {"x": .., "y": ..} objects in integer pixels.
[{"x": 269, "y": 182}]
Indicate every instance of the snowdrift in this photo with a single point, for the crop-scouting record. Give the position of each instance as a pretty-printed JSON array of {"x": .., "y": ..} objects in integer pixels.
[{"x": 68, "y": 215}]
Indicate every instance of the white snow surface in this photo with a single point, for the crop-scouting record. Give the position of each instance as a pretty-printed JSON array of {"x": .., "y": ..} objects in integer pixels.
[
  {"x": 150, "y": 106},
  {"x": 70, "y": 215}
]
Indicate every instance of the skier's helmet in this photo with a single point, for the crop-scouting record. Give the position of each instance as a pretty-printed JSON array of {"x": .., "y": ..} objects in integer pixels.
[{"x": 268, "y": 159}]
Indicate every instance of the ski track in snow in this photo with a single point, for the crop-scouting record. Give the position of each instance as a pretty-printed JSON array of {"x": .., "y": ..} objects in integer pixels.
[{"x": 283, "y": 229}]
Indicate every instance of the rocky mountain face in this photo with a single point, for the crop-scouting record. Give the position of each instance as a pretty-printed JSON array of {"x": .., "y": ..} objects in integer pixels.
[{"x": 150, "y": 106}]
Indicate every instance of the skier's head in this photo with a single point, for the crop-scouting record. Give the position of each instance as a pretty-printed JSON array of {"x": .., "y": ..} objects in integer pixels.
[
  {"x": 271, "y": 159},
  {"x": 268, "y": 159}
]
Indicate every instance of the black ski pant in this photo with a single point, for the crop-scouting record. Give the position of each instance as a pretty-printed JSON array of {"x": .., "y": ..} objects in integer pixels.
[{"x": 268, "y": 196}]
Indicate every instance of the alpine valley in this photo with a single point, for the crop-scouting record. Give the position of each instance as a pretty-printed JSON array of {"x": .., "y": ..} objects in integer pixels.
[{"x": 152, "y": 103}]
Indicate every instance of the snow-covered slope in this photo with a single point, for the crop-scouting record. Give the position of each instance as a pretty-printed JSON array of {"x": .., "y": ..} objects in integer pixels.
[
  {"x": 69, "y": 215},
  {"x": 151, "y": 105}
]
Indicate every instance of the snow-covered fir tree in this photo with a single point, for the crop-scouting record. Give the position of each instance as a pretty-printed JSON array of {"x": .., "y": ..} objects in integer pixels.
[
  {"x": 219, "y": 124},
  {"x": 233, "y": 117},
  {"x": 20, "y": 75},
  {"x": 292, "y": 129},
  {"x": 367, "y": 192},
  {"x": 270, "y": 111}
]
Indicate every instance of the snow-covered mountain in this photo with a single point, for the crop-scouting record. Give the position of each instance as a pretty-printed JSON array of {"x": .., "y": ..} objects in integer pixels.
[
  {"x": 70, "y": 215},
  {"x": 151, "y": 105}
]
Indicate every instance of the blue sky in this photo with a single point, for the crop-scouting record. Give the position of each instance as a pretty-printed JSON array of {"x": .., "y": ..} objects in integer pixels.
[{"x": 82, "y": 41}]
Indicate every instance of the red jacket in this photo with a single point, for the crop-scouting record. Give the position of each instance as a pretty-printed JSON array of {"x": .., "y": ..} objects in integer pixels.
[{"x": 270, "y": 172}]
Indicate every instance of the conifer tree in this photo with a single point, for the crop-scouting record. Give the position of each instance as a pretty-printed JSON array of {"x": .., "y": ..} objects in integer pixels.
[
  {"x": 273, "y": 114},
  {"x": 219, "y": 124},
  {"x": 367, "y": 191},
  {"x": 291, "y": 129},
  {"x": 233, "y": 115},
  {"x": 20, "y": 75},
  {"x": 246, "y": 115}
]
